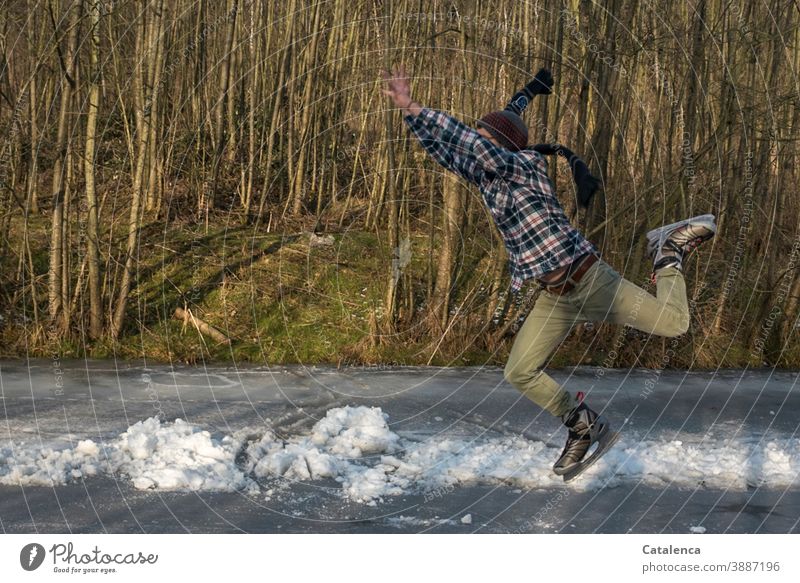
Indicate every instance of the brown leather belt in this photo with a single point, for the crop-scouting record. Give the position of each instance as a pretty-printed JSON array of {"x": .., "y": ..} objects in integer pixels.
[{"x": 573, "y": 275}]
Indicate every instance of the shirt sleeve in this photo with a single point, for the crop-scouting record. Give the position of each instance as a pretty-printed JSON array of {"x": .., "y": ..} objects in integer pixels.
[
  {"x": 448, "y": 141},
  {"x": 505, "y": 163}
]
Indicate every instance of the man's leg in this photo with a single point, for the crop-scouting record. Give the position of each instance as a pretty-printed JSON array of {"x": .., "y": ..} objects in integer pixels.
[
  {"x": 668, "y": 313},
  {"x": 615, "y": 299},
  {"x": 546, "y": 326}
]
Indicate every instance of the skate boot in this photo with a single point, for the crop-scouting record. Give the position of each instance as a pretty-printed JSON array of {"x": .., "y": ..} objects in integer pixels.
[
  {"x": 586, "y": 428},
  {"x": 671, "y": 244}
]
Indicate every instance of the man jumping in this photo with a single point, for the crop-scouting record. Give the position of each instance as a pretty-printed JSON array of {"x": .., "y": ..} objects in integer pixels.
[{"x": 577, "y": 285}]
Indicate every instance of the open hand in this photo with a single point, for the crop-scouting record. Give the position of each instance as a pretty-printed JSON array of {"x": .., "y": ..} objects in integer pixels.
[{"x": 397, "y": 86}]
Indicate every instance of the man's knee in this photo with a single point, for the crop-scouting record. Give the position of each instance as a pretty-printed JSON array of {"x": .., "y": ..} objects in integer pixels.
[
  {"x": 676, "y": 326},
  {"x": 520, "y": 375}
]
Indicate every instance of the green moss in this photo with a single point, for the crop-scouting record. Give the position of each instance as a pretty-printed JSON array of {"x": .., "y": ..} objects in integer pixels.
[{"x": 279, "y": 300}]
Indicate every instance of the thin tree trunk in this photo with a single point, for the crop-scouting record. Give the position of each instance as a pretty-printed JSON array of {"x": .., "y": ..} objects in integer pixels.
[
  {"x": 274, "y": 132},
  {"x": 33, "y": 96},
  {"x": 134, "y": 220},
  {"x": 220, "y": 135},
  {"x": 298, "y": 192},
  {"x": 56, "y": 272},
  {"x": 92, "y": 232}
]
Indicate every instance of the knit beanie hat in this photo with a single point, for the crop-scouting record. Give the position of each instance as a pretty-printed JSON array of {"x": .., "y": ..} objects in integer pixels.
[{"x": 507, "y": 127}]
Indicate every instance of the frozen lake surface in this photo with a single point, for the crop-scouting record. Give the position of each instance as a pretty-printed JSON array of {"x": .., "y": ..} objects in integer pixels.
[{"x": 120, "y": 447}]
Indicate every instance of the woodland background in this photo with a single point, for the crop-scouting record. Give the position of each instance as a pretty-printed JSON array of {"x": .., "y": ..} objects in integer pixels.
[{"x": 195, "y": 179}]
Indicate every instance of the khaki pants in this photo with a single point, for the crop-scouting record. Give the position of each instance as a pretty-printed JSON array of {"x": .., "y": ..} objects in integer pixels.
[{"x": 601, "y": 295}]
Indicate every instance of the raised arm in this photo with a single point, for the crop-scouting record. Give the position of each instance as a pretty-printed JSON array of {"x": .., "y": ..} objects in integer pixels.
[
  {"x": 453, "y": 144},
  {"x": 479, "y": 148},
  {"x": 443, "y": 154},
  {"x": 446, "y": 139}
]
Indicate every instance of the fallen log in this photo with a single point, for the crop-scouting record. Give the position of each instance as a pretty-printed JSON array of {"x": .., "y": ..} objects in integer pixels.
[{"x": 186, "y": 316}]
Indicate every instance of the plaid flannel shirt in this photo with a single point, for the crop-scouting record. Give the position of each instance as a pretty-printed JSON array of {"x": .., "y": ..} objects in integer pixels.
[{"x": 515, "y": 187}]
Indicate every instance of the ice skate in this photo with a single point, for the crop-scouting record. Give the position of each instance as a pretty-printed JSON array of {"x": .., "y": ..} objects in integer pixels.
[
  {"x": 670, "y": 245},
  {"x": 586, "y": 428}
]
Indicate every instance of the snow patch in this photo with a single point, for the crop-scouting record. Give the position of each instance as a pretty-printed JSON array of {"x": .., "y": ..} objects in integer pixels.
[{"x": 354, "y": 448}]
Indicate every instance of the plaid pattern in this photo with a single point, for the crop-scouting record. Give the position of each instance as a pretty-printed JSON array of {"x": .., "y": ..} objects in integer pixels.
[{"x": 515, "y": 187}]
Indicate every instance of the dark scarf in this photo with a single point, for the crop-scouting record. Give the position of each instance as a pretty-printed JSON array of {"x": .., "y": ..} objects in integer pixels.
[
  {"x": 542, "y": 84},
  {"x": 586, "y": 184}
]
